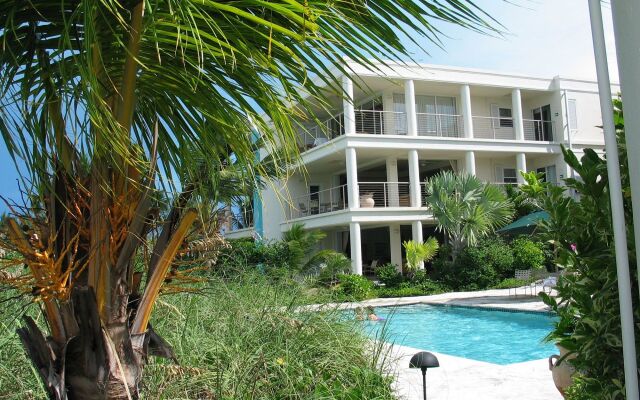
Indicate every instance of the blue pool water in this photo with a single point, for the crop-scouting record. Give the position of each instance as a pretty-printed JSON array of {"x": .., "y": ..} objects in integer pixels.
[{"x": 498, "y": 337}]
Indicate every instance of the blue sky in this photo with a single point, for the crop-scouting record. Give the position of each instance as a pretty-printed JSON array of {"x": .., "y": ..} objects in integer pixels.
[{"x": 543, "y": 37}]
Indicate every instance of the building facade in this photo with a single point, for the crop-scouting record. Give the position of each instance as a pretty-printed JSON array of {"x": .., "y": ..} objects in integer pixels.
[{"x": 365, "y": 165}]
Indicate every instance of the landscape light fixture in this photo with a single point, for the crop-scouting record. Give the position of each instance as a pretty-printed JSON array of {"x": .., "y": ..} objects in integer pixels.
[{"x": 424, "y": 360}]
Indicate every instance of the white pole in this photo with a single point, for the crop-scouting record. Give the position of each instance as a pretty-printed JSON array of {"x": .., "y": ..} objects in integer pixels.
[
  {"x": 626, "y": 16},
  {"x": 617, "y": 209}
]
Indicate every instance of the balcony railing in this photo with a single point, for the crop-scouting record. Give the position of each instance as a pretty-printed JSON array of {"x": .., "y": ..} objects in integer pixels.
[
  {"x": 324, "y": 201},
  {"x": 441, "y": 125},
  {"x": 373, "y": 122},
  {"x": 538, "y": 130},
  {"x": 384, "y": 194},
  {"x": 493, "y": 128}
]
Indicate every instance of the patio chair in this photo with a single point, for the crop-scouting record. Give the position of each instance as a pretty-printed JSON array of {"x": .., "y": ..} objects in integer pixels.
[
  {"x": 303, "y": 209},
  {"x": 370, "y": 269},
  {"x": 522, "y": 274}
]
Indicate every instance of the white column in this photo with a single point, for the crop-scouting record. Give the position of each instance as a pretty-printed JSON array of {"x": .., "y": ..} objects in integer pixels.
[
  {"x": 410, "y": 108},
  {"x": 516, "y": 113},
  {"x": 625, "y": 26},
  {"x": 470, "y": 163},
  {"x": 414, "y": 179},
  {"x": 356, "y": 248},
  {"x": 388, "y": 117},
  {"x": 467, "y": 116},
  {"x": 352, "y": 178},
  {"x": 395, "y": 242},
  {"x": 392, "y": 191},
  {"x": 521, "y": 165},
  {"x": 347, "y": 103},
  {"x": 626, "y": 30}
]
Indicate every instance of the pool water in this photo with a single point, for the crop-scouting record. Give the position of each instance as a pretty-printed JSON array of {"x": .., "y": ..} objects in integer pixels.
[{"x": 498, "y": 337}]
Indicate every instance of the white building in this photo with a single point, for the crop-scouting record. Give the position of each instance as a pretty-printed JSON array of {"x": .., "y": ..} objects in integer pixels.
[{"x": 366, "y": 165}]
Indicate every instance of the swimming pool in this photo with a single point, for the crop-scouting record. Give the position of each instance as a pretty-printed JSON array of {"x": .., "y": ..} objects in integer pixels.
[{"x": 498, "y": 337}]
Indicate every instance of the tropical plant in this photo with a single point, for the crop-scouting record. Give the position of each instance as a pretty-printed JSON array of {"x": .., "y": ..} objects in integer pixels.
[
  {"x": 417, "y": 253},
  {"x": 302, "y": 245},
  {"x": 587, "y": 300},
  {"x": 355, "y": 287},
  {"x": 465, "y": 208},
  {"x": 105, "y": 102},
  {"x": 389, "y": 275}
]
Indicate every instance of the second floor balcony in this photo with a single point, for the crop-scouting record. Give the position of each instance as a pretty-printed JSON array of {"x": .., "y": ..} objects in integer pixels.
[{"x": 373, "y": 122}]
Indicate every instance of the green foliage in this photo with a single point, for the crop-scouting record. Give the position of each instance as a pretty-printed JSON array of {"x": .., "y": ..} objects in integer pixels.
[
  {"x": 355, "y": 287},
  {"x": 302, "y": 247},
  {"x": 243, "y": 339},
  {"x": 466, "y": 208},
  {"x": 245, "y": 255},
  {"x": 389, "y": 275},
  {"x": 477, "y": 267},
  {"x": 417, "y": 253},
  {"x": 510, "y": 283},
  {"x": 527, "y": 254},
  {"x": 587, "y": 302}
]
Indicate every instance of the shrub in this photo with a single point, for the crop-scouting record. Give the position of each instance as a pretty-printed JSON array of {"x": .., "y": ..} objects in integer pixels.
[
  {"x": 477, "y": 267},
  {"x": 510, "y": 283},
  {"x": 333, "y": 265},
  {"x": 527, "y": 254},
  {"x": 389, "y": 275},
  {"x": 419, "y": 252},
  {"x": 355, "y": 287}
]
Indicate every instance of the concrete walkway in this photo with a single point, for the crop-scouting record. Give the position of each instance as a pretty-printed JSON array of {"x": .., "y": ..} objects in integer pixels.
[{"x": 460, "y": 378}]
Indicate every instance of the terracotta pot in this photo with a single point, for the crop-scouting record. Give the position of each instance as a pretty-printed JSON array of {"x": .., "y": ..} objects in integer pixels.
[
  {"x": 367, "y": 201},
  {"x": 562, "y": 371}
]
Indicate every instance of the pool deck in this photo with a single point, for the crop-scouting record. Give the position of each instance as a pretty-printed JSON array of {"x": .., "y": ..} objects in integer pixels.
[{"x": 460, "y": 378}]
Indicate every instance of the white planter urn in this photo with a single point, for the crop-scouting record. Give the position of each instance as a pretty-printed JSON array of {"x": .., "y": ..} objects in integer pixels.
[
  {"x": 367, "y": 201},
  {"x": 562, "y": 371}
]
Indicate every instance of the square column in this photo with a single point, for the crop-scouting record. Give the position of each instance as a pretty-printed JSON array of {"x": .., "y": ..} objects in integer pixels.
[
  {"x": 348, "y": 106},
  {"x": 521, "y": 165},
  {"x": 395, "y": 243},
  {"x": 356, "y": 248},
  {"x": 410, "y": 107},
  {"x": 392, "y": 191},
  {"x": 516, "y": 107},
  {"x": 414, "y": 179},
  {"x": 470, "y": 163},
  {"x": 352, "y": 178},
  {"x": 467, "y": 116}
]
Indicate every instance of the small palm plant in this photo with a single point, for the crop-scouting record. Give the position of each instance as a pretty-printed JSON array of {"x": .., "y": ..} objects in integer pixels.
[
  {"x": 417, "y": 253},
  {"x": 466, "y": 208}
]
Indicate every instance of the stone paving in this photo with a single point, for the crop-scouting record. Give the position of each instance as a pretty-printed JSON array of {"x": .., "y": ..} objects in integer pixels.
[{"x": 460, "y": 378}]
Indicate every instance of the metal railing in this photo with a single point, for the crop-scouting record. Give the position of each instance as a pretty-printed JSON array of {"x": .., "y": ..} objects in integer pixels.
[
  {"x": 374, "y": 122},
  {"x": 493, "y": 128},
  {"x": 442, "y": 125},
  {"x": 384, "y": 194},
  {"x": 538, "y": 130},
  {"x": 324, "y": 201}
]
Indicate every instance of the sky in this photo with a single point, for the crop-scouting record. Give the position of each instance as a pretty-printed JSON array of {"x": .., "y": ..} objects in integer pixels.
[{"x": 542, "y": 38}]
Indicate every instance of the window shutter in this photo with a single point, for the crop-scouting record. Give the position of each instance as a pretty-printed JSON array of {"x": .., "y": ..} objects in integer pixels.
[{"x": 573, "y": 114}]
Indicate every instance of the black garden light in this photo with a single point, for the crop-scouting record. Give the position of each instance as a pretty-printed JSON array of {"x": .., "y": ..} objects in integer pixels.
[{"x": 424, "y": 360}]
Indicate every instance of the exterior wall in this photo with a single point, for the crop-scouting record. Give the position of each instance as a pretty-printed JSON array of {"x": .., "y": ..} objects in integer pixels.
[{"x": 588, "y": 116}]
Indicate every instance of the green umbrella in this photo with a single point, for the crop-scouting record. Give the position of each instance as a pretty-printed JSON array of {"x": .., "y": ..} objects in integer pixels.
[{"x": 524, "y": 225}]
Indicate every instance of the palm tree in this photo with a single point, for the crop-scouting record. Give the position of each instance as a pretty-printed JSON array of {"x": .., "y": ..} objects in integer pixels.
[
  {"x": 466, "y": 208},
  {"x": 107, "y": 102},
  {"x": 417, "y": 253}
]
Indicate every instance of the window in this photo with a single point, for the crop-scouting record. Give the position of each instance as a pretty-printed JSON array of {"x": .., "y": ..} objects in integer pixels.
[
  {"x": 509, "y": 175},
  {"x": 548, "y": 173},
  {"x": 506, "y": 121}
]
